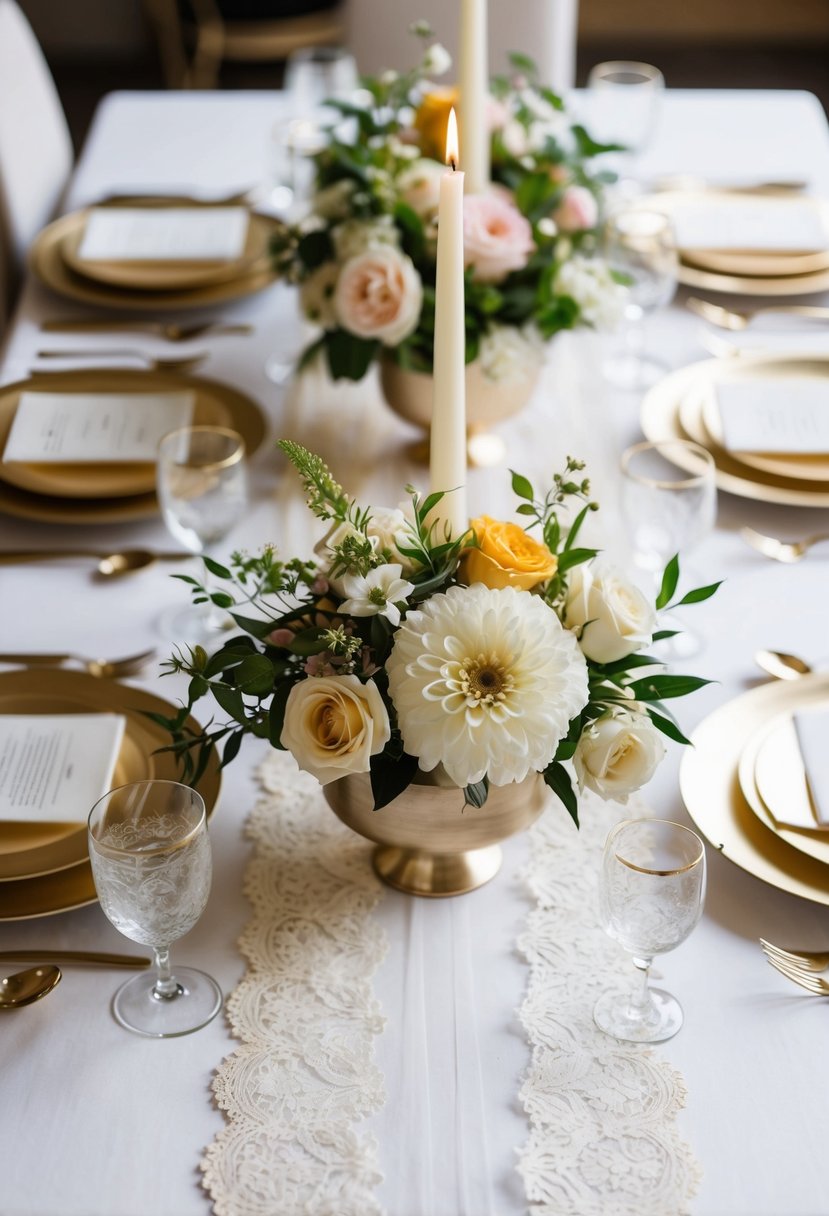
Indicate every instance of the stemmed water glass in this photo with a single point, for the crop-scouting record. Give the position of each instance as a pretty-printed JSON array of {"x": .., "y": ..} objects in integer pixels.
[
  {"x": 640, "y": 247},
  {"x": 203, "y": 493},
  {"x": 152, "y": 866},
  {"x": 651, "y": 893},
  {"x": 625, "y": 99},
  {"x": 669, "y": 504}
]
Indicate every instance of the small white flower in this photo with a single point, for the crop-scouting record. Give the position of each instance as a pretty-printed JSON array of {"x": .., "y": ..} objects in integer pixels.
[
  {"x": 389, "y": 76},
  {"x": 509, "y": 355},
  {"x": 436, "y": 60},
  {"x": 377, "y": 593},
  {"x": 589, "y": 281},
  {"x": 419, "y": 186},
  {"x": 355, "y": 236},
  {"x": 618, "y": 754}
]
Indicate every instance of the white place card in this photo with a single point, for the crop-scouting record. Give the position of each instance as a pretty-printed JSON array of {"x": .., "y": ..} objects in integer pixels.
[
  {"x": 150, "y": 234},
  {"x": 779, "y": 414},
  {"x": 779, "y": 225},
  {"x": 72, "y": 428},
  {"x": 55, "y": 767}
]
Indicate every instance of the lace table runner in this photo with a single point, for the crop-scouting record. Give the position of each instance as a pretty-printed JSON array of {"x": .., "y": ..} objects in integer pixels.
[
  {"x": 603, "y": 1134},
  {"x": 304, "y": 1076}
]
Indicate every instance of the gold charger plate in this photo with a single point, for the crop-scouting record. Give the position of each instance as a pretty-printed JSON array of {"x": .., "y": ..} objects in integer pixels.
[
  {"x": 710, "y": 787},
  {"x": 751, "y": 263},
  {"x": 700, "y": 417},
  {"x": 69, "y": 888},
  {"x": 47, "y": 264},
  {"x": 747, "y": 285},
  {"x": 813, "y": 842},
  {"x": 660, "y": 420},
  {"x": 81, "y": 484},
  {"x": 166, "y": 274}
]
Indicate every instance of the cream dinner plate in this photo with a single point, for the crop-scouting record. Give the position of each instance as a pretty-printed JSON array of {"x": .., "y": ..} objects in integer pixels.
[
  {"x": 72, "y": 692},
  {"x": 660, "y": 420},
  {"x": 81, "y": 484},
  {"x": 746, "y": 285},
  {"x": 167, "y": 275},
  {"x": 699, "y": 415},
  {"x": 710, "y": 786},
  {"x": 47, "y": 263}
]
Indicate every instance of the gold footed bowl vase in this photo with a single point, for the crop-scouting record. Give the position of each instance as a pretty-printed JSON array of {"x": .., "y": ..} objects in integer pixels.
[
  {"x": 428, "y": 841},
  {"x": 409, "y": 394}
]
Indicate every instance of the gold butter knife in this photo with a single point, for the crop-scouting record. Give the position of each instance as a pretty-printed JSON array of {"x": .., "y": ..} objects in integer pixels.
[{"x": 75, "y": 956}]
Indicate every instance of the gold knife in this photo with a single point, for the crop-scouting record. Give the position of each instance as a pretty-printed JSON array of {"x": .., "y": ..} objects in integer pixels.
[{"x": 74, "y": 956}]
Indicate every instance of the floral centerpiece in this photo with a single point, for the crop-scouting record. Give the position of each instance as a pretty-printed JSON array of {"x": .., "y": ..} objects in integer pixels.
[
  {"x": 400, "y": 651},
  {"x": 364, "y": 257}
]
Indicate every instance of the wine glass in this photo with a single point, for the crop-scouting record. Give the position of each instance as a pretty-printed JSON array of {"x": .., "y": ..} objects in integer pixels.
[
  {"x": 315, "y": 75},
  {"x": 640, "y": 247},
  {"x": 651, "y": 892},
  {"x": 625, "y": 99},
  {"x": 151, "y": 862},
  {"x": 203, "y": 493},
  {"x": 669, "y": 504}
]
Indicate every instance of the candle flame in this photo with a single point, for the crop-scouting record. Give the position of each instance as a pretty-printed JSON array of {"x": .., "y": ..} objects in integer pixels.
[{"x": 452, "y": 140}]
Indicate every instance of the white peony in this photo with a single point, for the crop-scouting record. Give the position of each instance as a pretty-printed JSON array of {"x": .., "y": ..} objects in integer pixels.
[
  {"x": 509, "y": 355},
  {"x": 485, "y": 681},
  {"x": 599, "y": 297},
  {"x": 618, "y": 754},
  {"x": 355, "y": 236},
  {"x": 378, "y": 295},
  {"x": 334, "y": 725},
  {"x": 614, "y": 617},
  {"x": 377, "y": 593},
  {"x": 419, "y": 186}
]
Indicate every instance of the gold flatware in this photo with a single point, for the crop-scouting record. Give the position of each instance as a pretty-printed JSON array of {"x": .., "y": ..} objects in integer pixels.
[
  {"x": 729, "y": 318},
  {"x": 24, "y": 987},
  {"x": 807, "y": 960},
  {"x": 782, "y": 550},
  {"x": 780, "y": 665},
  {"x": 110, "y": 565},
  {"x": 169, "y": 331},
  {"x": 156, "y": 363},
  {"x": 108, "y": 669},
  {"x": 94, "y": 958},
  {"x": 805, "y": 979}
]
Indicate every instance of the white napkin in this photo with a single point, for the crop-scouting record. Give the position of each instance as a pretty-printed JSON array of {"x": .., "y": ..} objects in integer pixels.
[
  {"x": 72, "y": 428},
  {"x": 771, "y": 224},
  {"x": 121, "y": 234},
  {"x": 813, "y": 737},
  {"x": 779, "y": 414},
  {"x": 55, "y": 767}
]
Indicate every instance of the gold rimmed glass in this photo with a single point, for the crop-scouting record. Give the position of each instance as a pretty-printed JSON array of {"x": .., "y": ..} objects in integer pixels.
[
  {"x": 625, "y": 100},
  {"x": 152, "y": 866},
  {"x": 651, "y": 894},
  {"x": 201, "y": 479}
]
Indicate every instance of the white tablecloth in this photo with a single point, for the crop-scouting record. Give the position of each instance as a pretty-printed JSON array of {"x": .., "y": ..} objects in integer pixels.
[{"x": 96, "y": 1122}]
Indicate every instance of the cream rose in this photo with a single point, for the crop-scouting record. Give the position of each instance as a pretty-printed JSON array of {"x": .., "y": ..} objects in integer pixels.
[
  {"x": 378, "y": 295},
  {"x": 577, "y": 210},
  {"x": 419, "y": 186},
  {"x": 334, "y": 725},
  {"x": 613, "y": 615},
  {"x": 618, "y": 755},
  {"x": 497, "y": 238}
]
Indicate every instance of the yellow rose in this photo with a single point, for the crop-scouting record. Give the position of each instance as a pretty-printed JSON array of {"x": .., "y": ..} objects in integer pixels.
[
  {"x": 506, "y": 557},
  {"x": 431, "y": 119}
]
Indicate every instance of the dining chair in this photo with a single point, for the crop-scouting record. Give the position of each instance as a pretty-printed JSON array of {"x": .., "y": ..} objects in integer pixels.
[
  {"x": 377, "y": 34},
  {"x": 35, "y": 144},
  {"x": 196, "y": 36}
]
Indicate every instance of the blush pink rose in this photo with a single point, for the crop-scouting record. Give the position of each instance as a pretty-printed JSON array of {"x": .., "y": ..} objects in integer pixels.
[
  {"x": 378, "y": 295},
  {"x": 577, "y": 210},
  {"x": 497, "y": 238}
]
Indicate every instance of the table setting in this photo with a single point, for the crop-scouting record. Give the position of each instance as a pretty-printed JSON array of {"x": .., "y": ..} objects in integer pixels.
[{"x": 413, "y": 681}]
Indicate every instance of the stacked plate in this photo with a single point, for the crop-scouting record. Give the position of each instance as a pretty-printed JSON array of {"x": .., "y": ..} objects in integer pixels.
[
  {"x": 743, "y": 783},
  {"x": 153, "y": 254},
  {"x": 762, "y": 244},
  {"x": 781, "y": 455},
  {"x": 108, "y": 492},
  {"x": 44, "y": 867}
]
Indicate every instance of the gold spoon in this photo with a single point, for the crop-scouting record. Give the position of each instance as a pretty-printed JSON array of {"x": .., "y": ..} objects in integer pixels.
[
  {"x": 110, "y": 565},
  {"x": 780, "y": 665},
  {"x": 24, "y": 987}
]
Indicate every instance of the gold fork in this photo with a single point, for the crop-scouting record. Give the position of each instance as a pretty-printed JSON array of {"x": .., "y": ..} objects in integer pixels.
[
  {"x": 781, "y": 550},
  {"x": 729, "y": 318},
  {"x": 106, "y": 669},
  {"x": 803, "y": 960},
  {"x": 804, "y": 979}
]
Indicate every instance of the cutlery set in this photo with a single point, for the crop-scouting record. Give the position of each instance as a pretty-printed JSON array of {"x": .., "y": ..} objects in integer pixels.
[
  {"x": 166, "y": 331},
  {"x": 26, "y": 987}
]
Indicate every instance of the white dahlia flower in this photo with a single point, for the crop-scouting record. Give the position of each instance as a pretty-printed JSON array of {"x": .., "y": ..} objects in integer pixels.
[{"x": 485, "y": 681}]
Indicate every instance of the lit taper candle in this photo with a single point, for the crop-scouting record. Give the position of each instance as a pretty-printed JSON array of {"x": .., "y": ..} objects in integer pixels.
[
  {"x": 474, "y": 94},
  {"x": 447, "y": 451}
]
